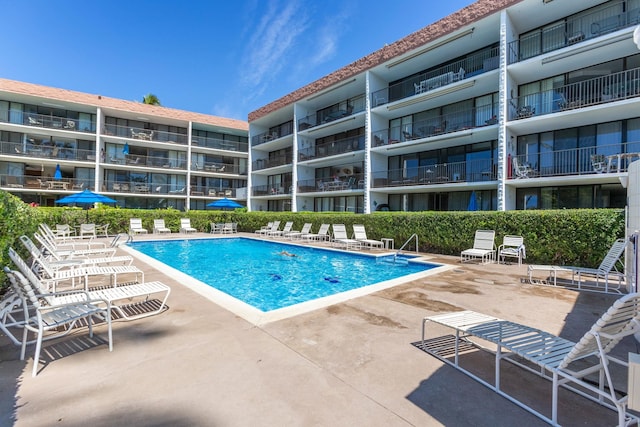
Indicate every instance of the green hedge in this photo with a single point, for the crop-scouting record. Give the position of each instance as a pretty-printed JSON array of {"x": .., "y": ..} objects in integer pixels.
[{"x": 562, "y": 237}]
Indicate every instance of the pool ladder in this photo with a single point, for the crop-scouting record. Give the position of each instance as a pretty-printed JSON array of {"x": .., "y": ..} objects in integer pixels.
[{"x": 414, "y": 236}]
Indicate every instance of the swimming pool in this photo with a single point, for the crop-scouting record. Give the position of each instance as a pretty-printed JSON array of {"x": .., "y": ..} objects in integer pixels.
[{"x": 258, "y": 274}]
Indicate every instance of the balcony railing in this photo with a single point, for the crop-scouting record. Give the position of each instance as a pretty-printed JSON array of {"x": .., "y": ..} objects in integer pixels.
[
  {"x": 578, "y": 161},
  {"x": 272, "y": 162},
  {"x": 47, "y": 121},
  {"x": 148, "y": 161},
  {"x": 272, "y": 190},
  {"x": 30, "y": 182},
  {"x": 471, "y": 66},
  {"x": 437, "y": 125},
  {"x": 599, "y": 90},
  {"x": 347, "y": 108},
  {"x": 442, "y": 173},
  {"x": 352, "y": 182},
  {"x": 145, "y": 134},
  {"x": 268, "y": 136},
  {"x": 346, "y": 145},
  {"x": 220, "y": 144},
  {"x": 224, "y": 168},
  {"x": 212, "y": 191},
  {"x": 574, "y": 30},
  {"x": 44, "y": 151}
]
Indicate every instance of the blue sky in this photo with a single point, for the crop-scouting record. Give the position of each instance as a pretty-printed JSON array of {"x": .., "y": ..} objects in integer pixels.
[{"x": 220, "y": 58}]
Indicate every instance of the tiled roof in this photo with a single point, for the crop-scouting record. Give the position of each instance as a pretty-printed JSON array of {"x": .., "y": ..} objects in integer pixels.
[
  {"x": 444, "y": 26},
  {"x": 118, "y": 104}
]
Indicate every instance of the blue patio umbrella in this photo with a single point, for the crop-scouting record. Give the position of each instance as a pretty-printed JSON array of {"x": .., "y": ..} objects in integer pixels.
[
  {"x": 58, "y": 174},
  {"x": 473, "y": 203},
  {"x": 85, "y": 198},
  {"x": 125, "y": 149},
  {"x": 224, "y": 204}
]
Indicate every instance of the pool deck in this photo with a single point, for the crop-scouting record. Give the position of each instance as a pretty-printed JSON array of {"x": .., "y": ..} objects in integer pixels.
[{"x": 348, "y": 364}]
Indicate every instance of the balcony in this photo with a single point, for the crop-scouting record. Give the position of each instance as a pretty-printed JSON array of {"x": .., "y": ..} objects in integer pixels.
[
  {"x": 346, "y": 145},
  {"x": 471, "y": 66},
  {"x": 279, "y": 190},
  {"x": 220, "y": 144},
  {"x": 579, "y": 161},
  {"x": 340, "y": 110},
  {"x": 599, "y": 90},
  {"x": 443, "y": 173},
  {"x": 45, "y": 184},
  {"x": 47, "y": 121},
  {"x": 212, "y": 191},
  {"x": 352, "y": 182},
  {"x": 145, "y": 134},
  {"x": 46, "y": 151},
  {"x": 261, "y": 164},
  {"x": 573, "y": 31},
  {"x": 437, "y": 125},
  {"x": 224, "y": 168}
]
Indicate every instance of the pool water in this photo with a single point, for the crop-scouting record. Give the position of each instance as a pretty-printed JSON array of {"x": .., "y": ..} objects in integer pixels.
[{"x": 257, "y": 273}]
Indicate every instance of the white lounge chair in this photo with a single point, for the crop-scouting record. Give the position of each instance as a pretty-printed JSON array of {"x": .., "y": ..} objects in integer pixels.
[
  {"x": 52, "y": 275},
  {"x": 279, "y": 233},
  {"x": 56, "y": 260},
  {"x": 67, "y": 251},
  {"x": 306, "y": 229},
  {"x": 588, "y": 278},
  {"x": 275, "y": 225},
  {"x": 44, "y": 316},
  {"x": 124, "y": 299},
  {"x": 360, "y": 234},
  {"x": 341, "y": 238},
  {"x": 159, "y": 227},
  {"x": 512, "y": 247},
  {"x": 484, "y": 247},
  {"x": 135, "y": 226},
  {"x": 321, "y": 236},
  {"x": 264, "y": 228},
  {"x": 62, "y": 243},
  {"x": 565, "y": 363},
  {"x": 185, "y": 226}
]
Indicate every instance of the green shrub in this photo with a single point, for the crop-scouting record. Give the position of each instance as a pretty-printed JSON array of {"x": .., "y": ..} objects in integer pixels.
[{"x": 579, "y": 237}]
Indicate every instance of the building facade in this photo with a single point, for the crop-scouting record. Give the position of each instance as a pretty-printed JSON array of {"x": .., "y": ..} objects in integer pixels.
[
  {"x": 502, "y": 105},
  {"x": 55, "y": 142}
]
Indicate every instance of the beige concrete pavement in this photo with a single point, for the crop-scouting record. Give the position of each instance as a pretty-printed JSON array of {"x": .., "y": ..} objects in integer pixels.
[{"x": 349, "y": 364}]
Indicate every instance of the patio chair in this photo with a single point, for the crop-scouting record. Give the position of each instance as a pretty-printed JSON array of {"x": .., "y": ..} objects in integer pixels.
[
  {"x": 185, "y": 226},
  {"x": 68, "y": 250},
  {"x": 272, "y": 226},
  {"x": 341, "y": 239},
  {"x": 599, "y": 163},
  {"x": 216, "y": 227},
  {"x": 522, "y": 170},
  {"x": 321, "y": 236},
  {"x": 229, "y": 228},
  {"x": 306, "y": 229},
  {"x": 582, "y": 367},
  {"x": 42, "y": 316},
  {"x": 52, "y": 274},
  {"x": 280, "y": 233},
  {"x": 87, "y": 231},
  {"x": 484, "y": 247},
  {"x": 512, "y": 247},
  {"x": 124, "y": 299},
  {"x": 360, "y": 234},
  {"x": 159, "y": 227},
  {"x": 135, "y": 226},
  {"x": 59, "y": 262},
  {"x": 588, "y": 279}
]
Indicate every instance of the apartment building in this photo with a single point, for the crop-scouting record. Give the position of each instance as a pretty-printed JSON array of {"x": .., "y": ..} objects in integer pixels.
[
  {"x": 55, "y": 142},
  {"x": 529, "y": 104}
]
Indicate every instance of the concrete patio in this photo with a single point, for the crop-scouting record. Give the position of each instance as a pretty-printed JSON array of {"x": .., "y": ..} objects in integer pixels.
[{"x": 349, "y": 364}]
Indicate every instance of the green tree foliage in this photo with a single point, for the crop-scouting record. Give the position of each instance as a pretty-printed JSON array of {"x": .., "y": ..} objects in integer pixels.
[{"x": 151, "y": 99}]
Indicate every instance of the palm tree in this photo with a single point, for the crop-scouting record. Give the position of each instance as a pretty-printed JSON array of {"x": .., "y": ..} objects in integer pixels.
[{"x": 151, "y": 99}]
